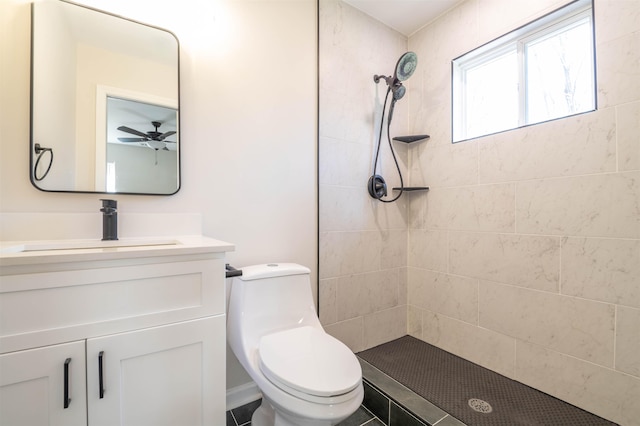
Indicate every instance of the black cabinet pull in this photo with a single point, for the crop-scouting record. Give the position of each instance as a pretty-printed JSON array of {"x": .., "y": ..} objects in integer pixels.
[
  {"x": 67, "y": 400},
  {"x": 100, "y": 381}
]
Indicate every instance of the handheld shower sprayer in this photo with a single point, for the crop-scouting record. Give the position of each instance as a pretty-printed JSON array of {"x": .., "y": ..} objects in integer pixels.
[
  {"x": 398, "y": 93},
  {"x": 404, "y": 69}
]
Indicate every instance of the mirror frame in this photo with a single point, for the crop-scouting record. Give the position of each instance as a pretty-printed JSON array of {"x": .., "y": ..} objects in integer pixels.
[{"x": 34, "y": 147}]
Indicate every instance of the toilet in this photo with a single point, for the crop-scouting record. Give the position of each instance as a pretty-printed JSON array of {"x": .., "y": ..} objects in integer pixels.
[{"x": 306, "y": 376}]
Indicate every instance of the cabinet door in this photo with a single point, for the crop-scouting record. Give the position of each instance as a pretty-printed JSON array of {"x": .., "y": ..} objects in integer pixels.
[
  {"x": 33, "y": 382},
  {"x": 169, "y": 375}
]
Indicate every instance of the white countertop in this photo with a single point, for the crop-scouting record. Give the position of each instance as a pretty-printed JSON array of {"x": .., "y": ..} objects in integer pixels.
[{"x": 14, "y": 253}]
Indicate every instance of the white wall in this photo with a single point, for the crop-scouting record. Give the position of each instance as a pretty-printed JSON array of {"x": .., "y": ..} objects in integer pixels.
[{"x": 248, "y": 114}]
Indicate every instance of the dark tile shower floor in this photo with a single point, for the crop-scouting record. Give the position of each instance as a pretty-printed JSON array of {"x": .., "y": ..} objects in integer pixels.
[
  {"x": 453, "y": 384},
  {"x": 411, "y": 383}
]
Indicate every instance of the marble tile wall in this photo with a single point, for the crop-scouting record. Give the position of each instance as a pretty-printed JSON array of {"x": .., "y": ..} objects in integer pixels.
[
  {"x": 363, "y": 242},
  {"x": 525, "y": 255}
]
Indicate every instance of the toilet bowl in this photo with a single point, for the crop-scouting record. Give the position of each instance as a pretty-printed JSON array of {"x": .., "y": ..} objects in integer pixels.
[{"x": 306, "y": 376}]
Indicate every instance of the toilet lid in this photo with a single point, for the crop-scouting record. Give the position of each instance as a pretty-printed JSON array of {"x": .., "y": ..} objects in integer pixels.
[{"x": 309, "y": 360}]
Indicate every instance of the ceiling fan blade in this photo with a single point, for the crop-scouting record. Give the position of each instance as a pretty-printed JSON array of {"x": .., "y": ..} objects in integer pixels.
[
  {"x": 164, "y": 135},
  {"x": 132, "y": 131},
  {"x": 169, "y": 141},
  {"x": 132, "y": 139}
]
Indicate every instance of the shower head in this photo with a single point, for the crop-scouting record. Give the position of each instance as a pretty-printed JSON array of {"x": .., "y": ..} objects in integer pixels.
[
  {"x": 406, "y": 66},
  {"x": 404, "y": 69}
]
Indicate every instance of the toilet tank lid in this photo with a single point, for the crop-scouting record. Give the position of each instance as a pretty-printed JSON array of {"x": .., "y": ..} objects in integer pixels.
[{"x": 270, "y": 270}]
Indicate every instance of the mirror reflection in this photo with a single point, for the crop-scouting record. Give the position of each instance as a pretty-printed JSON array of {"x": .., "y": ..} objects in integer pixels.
[
  {"x": 141, "y": 157},
  {"x": 105, "y": 103}
]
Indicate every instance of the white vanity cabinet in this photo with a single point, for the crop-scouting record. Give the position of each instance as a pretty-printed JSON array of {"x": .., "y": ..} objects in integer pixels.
[
  {"x": 165, "y": 375},
  {"x": 130, "y": 335},
  {"x": 32, "y": 386}
]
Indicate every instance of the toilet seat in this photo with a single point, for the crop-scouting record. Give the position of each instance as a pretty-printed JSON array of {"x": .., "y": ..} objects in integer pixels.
[{"x": 309, "y": 364}]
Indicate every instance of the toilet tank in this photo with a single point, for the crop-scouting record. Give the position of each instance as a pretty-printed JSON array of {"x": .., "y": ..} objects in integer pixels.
[{"x": 272, "y": 297}]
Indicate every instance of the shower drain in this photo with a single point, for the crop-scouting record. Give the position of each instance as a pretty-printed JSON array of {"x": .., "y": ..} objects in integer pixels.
[{"x": 480, "y": 406}]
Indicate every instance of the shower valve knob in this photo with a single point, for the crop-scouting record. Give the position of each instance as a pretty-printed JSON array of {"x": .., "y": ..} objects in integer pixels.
[{"x": 377, "y": 187}]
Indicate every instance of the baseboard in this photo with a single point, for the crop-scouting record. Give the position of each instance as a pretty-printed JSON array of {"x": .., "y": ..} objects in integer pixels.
[{"x": 243, "y": 394}]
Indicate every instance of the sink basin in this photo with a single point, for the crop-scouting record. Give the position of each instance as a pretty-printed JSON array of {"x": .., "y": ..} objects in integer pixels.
[{"x": 85, "y": 245}]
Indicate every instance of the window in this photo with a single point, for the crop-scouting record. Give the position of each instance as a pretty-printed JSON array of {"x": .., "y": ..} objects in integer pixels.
[{"x": 542, "y": 71}]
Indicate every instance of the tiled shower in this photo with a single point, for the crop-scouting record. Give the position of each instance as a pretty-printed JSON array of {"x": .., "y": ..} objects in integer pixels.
[{"x": 524, "y": 256}]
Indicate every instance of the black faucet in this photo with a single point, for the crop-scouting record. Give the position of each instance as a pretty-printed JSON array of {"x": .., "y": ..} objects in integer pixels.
[{"x": 109, "y": 220}]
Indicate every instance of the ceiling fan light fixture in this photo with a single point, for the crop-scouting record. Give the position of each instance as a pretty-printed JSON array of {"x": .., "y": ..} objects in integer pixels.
[
  {"x": 156, "y": 144},
  {"x": 151, "y": 135}
]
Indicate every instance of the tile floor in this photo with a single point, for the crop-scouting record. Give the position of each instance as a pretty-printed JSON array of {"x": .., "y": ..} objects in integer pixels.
[
  {"x": 386, "y": 403},
  {"x": 241, "y": 416},
  {"x": 396, "y": 405},
  {"x": 453, "y": 383}
]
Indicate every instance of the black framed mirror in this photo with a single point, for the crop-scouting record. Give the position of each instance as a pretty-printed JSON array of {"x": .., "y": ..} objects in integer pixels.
[{"x": 105, "y": 103}]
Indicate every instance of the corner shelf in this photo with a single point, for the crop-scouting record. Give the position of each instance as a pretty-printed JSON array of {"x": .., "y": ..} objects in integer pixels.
[{"x": 410, "y": 139}]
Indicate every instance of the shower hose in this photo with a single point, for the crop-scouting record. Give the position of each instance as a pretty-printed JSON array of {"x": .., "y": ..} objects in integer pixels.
[{"x": 393, "y": 154}]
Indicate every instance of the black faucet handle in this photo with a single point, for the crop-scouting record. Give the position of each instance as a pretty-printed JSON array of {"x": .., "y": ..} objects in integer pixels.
[
  {"x": 112, "y": 204},
  {"x": 109, "y": 206}
]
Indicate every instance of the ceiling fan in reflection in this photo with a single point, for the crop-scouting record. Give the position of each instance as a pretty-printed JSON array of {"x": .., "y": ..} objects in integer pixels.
[{"x": 153, "y": 138}]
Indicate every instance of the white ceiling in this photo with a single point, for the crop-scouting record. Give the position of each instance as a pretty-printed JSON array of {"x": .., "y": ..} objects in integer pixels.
[{"x": 404, "y": 16}]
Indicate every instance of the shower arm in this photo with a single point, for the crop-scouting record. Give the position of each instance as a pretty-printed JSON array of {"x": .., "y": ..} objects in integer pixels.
[
  {"x": 376, "y": 78},
  {"x": 389, "y": 80}
]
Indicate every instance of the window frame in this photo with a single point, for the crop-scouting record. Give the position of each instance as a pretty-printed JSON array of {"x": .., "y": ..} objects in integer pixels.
[{"x": 561, "y": 19}]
